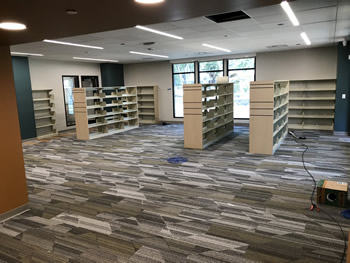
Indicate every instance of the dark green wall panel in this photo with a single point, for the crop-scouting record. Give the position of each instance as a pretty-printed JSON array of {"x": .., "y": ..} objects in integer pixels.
[
  {"x": 342, "y": 106},
  {"x": 24, "y": 96},
  {"x": 112, "y": 74}
]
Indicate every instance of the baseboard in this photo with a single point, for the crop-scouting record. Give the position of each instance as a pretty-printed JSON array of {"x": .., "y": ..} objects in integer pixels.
[
  {"x": 14, "y": 212},
  {"x": 340, "y": 133}
]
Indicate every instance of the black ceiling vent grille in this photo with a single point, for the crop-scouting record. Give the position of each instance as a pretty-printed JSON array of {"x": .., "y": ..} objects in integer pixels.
[
  {"x": 227, "y": 17},
  {"x": 277, "y": 46}
]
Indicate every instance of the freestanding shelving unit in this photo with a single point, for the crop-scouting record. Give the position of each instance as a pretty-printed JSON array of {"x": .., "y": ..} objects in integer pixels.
[
  {"x": 208, "y": 113},
  {"x": 44, "y": 113},
  {"x": 312, "y": 104},
  {"x": 147, "y": 97},
  {"x": 104, "y": 111},
  {"x": 268, "y": 115}
]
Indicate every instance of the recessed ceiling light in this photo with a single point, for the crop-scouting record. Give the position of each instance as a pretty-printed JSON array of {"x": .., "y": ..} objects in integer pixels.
[
  {"x": 12, "y": 26},
  {"x": 158, "y": 32},
  {"x": 147, "y": 54},
  {"x": 218, "y": 48},
  {"x": 70, "y": 44},
  {"x": 286, "y": 7},
  {"x": 149, "y": 1},
  {"x": 305, "y": 38},
  {"x": 26, "y": 54},
  {"x": 96, "y": 59}
]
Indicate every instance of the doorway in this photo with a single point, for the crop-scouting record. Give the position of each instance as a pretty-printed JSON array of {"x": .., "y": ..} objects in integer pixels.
[{"x": 69, "y": 83}]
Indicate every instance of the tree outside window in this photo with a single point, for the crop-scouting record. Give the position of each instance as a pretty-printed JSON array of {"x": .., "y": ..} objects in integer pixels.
[
  {"x": 209, "y": 71},
  {"x": 241, "y": 72},
  {"x": 182, "y": 74}
]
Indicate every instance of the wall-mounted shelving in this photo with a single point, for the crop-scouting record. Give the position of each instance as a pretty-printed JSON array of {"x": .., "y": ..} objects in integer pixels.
[
  {"x": 208, "y": 113},
  {"x": 312, "y": 104},
  {"x": 147, "y": 97},
  {"x": 44, "y": 113},
  {"x": 104, "y": 111},
  {"x": 268, "y": 115}
]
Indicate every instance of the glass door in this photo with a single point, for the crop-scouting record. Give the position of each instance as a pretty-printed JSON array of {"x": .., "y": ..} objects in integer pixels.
[{"x": 69, "y": 83}]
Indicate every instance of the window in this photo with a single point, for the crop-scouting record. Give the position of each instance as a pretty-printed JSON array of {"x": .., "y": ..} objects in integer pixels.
[
  {"x": 210, "y": 70},
  {"x": 182, "y": 74},
  {"x": 241, "y": 71},
  {"x": 69, "y": 82}
]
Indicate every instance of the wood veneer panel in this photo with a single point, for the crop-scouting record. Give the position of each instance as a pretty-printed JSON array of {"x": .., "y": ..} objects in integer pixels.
[{"x": 13, "y": 187}]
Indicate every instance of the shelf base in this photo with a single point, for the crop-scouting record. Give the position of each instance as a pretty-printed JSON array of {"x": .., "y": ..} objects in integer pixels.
[
  {"x": 217, "y": 139},
  {"x": 111, "y": 132}
]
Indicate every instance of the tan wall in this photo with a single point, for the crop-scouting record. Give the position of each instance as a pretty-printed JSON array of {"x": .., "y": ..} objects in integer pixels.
[
  {"x": 154, "y": 73},
  {"x": 13, "y": 188},
  {"x": 312, "y": 63},
  {"x": 47, "y": 74}
]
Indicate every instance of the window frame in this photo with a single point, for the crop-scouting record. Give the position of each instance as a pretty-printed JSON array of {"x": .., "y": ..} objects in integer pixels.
[
  {"x": 199, "y": 68},
  {"x": 173, "y": 82},
  {"x": 241, "y": 69}
]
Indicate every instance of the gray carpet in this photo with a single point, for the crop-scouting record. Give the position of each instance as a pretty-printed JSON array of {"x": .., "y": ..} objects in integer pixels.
[{"x": 117, "y": 199}]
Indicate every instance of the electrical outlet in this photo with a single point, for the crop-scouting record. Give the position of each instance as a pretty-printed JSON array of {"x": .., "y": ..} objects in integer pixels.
[{"x": 343, "y": 96}]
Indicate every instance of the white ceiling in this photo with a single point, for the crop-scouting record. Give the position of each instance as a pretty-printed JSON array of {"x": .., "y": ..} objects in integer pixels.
[{"x": 325, "y": 21}]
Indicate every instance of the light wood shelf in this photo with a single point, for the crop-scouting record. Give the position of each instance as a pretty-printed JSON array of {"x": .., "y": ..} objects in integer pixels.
[
  {"x": 268, "y": 115},
  {"x": 312, "y": 104},
  {"x": 208, "y": 113},
  {"x": 101, "y": 112},
  {"x": 44, "y": 113},
  {"x": 147, "y": 97}
]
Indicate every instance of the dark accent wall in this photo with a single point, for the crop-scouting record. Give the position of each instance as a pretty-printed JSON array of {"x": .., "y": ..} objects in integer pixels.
[
  {"x": 112, "y": 74},
  {"x": 24, "y": 97},
  {"x": 342, "y": 106}
]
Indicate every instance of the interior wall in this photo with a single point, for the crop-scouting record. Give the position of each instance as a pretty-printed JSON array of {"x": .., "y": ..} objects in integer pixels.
[
  {"x": 47, "y": 74},
  {"x": 112, "y": 74},
  {"x": 23, "y": 87},
  {"x": 342, "y": 106},
  {"x": 13, "y": 188},
  {"x": 311, "y": 63},
  {"x": 154, "y": 73}
]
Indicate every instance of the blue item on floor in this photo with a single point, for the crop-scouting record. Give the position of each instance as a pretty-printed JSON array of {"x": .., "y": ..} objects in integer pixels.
[
  {"x": 346, "y": 214},
  {"x": 177, "y": 160}
]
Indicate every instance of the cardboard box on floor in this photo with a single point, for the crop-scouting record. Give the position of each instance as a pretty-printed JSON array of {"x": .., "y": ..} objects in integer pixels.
[{"x": 332, "y": 193}]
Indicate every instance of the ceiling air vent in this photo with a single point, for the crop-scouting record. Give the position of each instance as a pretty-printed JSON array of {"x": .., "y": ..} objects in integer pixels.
[
  {"x": 227, "y": 17},
  {"x": 277, "y": 46},
  {"x": 148, "y": 43}
]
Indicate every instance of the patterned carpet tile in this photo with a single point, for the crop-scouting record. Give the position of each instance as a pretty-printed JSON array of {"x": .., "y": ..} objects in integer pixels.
[{"x": 117, "y": 199}]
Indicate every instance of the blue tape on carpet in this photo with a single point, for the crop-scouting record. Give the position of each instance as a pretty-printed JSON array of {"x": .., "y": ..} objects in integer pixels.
[{"x": 177, "y": 160}]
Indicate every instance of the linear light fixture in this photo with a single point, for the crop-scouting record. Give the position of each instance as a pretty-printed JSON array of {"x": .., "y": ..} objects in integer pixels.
[
  {"x": 286, "y": 7},
  {"x": 158, "y": 32},
  {"x": 96, "y": 59},
  {"x": 305, "y": 38},
  {"x": 26, "y": 54},
  {"x": 14, "y": 26},
  {"x": 70, "y": 44},
  {"x": 149, "y": 1},
  {"x": 218, "y": 48},
  {"x": 147, "y": 54}
]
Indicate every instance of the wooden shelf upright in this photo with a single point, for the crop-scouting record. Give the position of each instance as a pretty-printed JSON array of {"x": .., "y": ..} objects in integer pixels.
[
  {"x": 268, "y": 124},
  {"x": 312, "y": 104},
  {"x": 44, "y": 113},
  {"x": 208, "y": 113},
  {"x": 104, "y": 111},
  {"x": 147, "y": 97}
]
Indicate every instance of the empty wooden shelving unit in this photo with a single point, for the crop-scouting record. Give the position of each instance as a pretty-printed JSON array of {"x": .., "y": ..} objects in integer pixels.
[
  {"x": 147, "y": 97},
  {"x": 208, "y": 113},
  {"x": 104, "y": 111},
  {"x": 312, "y": 104},
  {"x": 44, "y": 113},
  {"x": 268, "y": 115}
]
